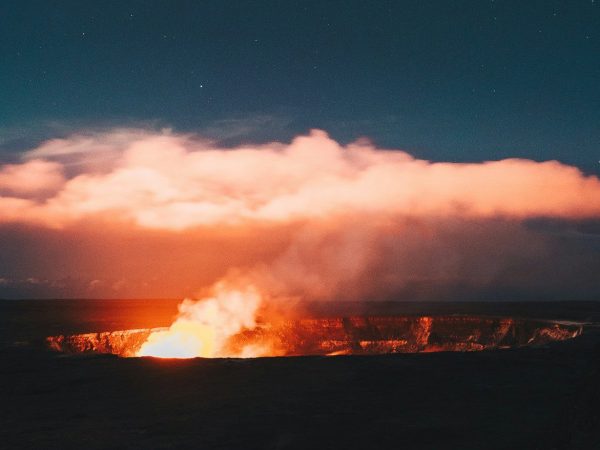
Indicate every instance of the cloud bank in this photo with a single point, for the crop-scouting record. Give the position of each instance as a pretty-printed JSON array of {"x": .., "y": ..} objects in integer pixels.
[{"x": 139, "y": 213}]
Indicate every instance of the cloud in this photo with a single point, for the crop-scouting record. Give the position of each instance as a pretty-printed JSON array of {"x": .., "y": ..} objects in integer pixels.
[
  {"x": 31, "y": 179},
  {"x": 164, "y": 213},
  {"x": 175, "y": 182}
]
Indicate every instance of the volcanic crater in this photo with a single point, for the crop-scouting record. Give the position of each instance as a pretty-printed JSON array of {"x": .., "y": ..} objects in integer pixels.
[{"x": 358, "y": 335}]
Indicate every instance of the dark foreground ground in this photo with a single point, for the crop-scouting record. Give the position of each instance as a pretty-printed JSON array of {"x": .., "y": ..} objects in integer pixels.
[{"x": 531, "y": 398}]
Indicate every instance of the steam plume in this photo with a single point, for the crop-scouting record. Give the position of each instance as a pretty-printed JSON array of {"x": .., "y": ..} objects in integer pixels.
[{"x": 141, "y": 213}]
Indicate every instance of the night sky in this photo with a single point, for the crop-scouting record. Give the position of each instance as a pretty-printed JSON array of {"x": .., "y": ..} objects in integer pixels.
[
  {"x": 451, "y": 81},
  {"x": 157, "y": 148}
]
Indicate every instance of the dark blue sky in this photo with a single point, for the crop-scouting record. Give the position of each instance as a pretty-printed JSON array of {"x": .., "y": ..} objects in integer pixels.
[{"x": 460, "y": 80}]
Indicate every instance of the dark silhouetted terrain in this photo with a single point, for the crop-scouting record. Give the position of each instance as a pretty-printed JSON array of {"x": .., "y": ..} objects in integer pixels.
[{"x": 531, "y": 398}]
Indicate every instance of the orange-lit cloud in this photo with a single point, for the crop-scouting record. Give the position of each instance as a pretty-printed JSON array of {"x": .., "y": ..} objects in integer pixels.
[
  {"x": 31, "y": 179},
  {"x": 174, "y": 182},
  {"x": 139, "y": 213}
]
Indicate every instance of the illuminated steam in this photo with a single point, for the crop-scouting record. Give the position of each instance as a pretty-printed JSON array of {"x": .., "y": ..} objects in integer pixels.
[
  {"x": 176, "y": 183},
  {"x": 136, "y": 213},
  {"x": 202, "y": 328}
]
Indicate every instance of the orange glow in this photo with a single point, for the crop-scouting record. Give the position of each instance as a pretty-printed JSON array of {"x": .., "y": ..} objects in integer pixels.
[
  {"x": 183, "y": 339},
  {"x": 331, "y": 337},
  {"x": 203, "y": 327},
  {"x": 166, "y": 214}
]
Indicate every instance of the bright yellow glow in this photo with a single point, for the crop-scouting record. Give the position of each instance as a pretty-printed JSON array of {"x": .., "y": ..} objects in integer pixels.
[
  {"x": 184, "y": 339},
  {"x": 203, "y": 327}
]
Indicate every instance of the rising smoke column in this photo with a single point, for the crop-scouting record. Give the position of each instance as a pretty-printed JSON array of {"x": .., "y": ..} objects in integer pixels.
[
  {"x": 139, "y": 213},
  {"x": 202, "y": 327}
]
